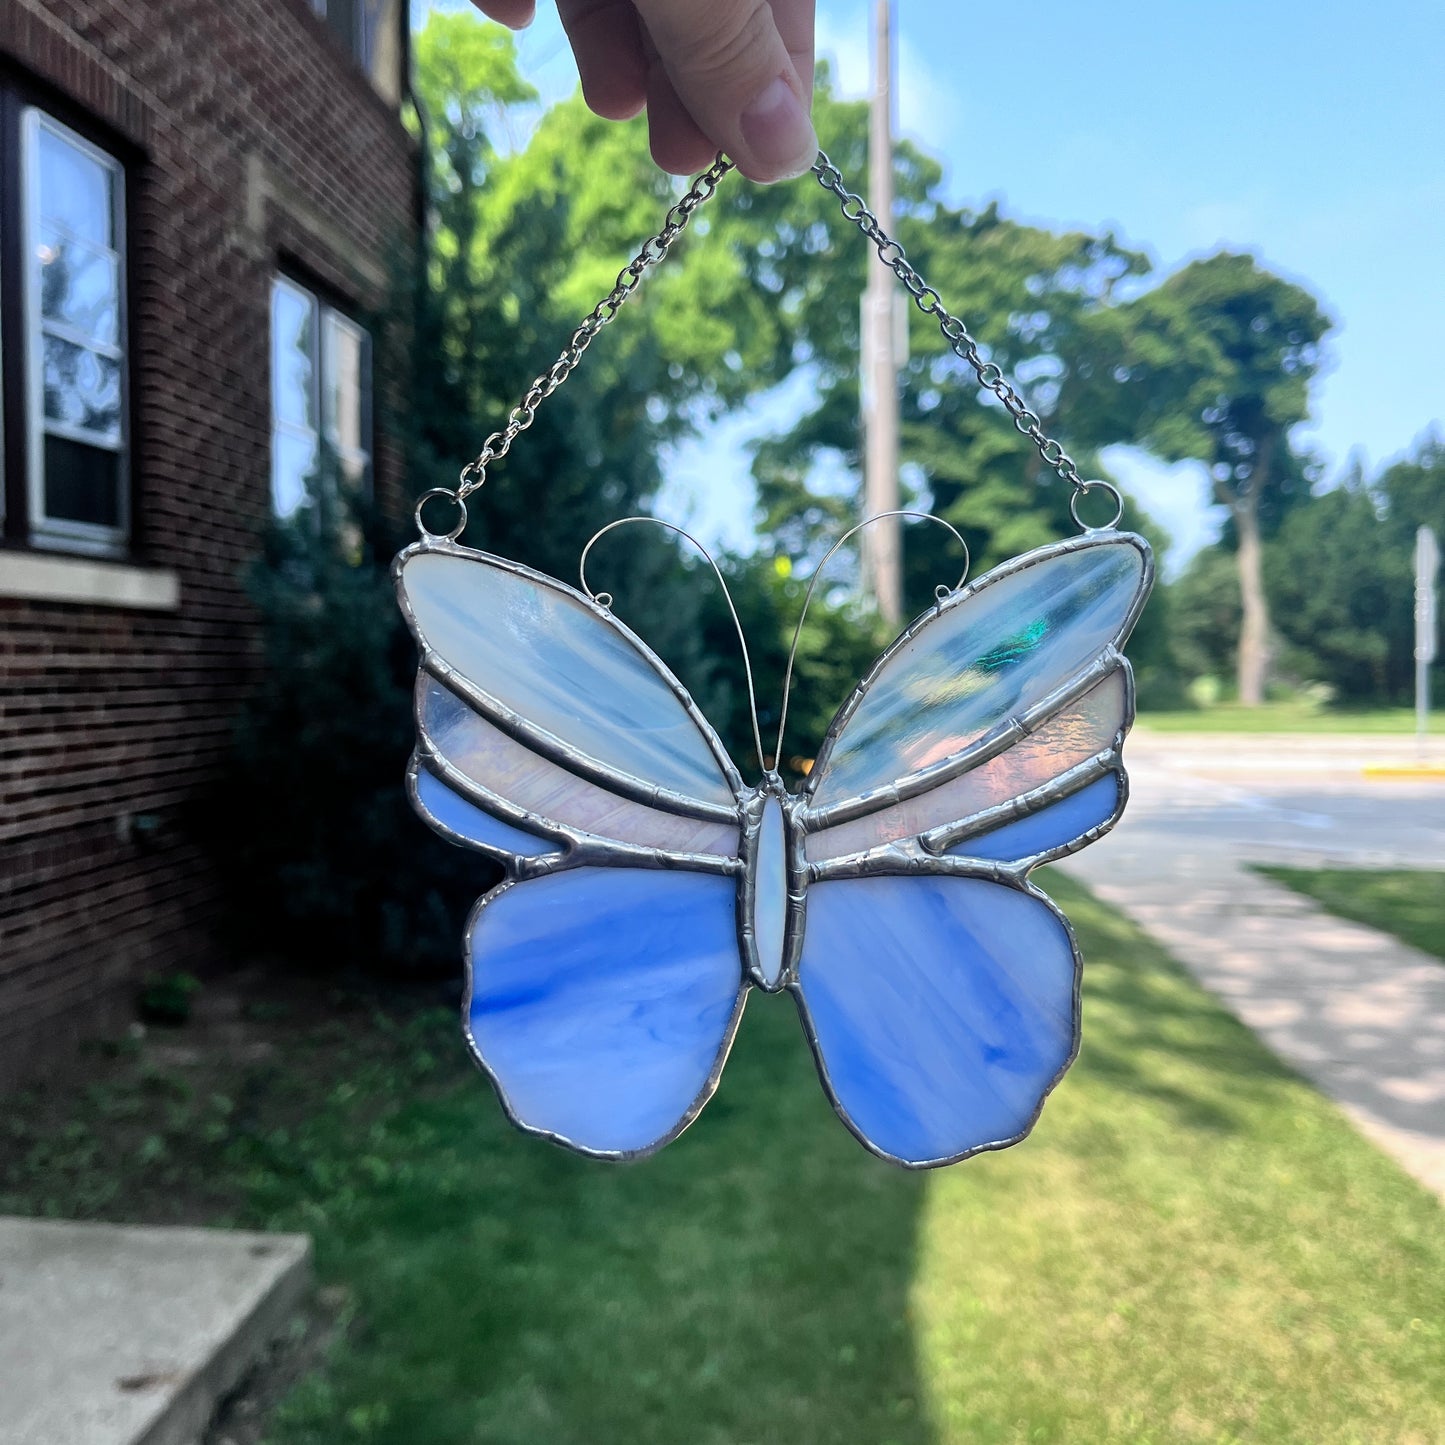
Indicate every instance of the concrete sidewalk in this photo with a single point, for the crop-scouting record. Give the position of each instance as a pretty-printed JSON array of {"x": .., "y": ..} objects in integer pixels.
[
  {"x": 113, "y": 1335},
  {"x": 1354, "y": 1010}
]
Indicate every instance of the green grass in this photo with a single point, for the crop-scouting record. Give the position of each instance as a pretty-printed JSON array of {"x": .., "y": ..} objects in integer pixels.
[
  {"x": 1193, "y": 1246},
  {"x": 1409, "y": 903},
  {"x": 1279, "y": 717}
]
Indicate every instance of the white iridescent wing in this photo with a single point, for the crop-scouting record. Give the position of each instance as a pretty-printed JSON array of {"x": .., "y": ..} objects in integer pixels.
[
  {"x": 541, "y": 710},
  {"x": 605, "y": 979},
  {"x": 938, "y": 986}
]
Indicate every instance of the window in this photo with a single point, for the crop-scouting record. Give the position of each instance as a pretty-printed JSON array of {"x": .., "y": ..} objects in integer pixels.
[
  {"x": 356, "y": 24},
  {"x": 320, "y": 400},
  {"x": 65, "y": 352}
]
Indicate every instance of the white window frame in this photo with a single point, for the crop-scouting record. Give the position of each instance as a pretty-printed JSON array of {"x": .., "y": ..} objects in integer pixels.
[
  {"x": 326, "y": 321},
  {"x": 61, "y": 532}
]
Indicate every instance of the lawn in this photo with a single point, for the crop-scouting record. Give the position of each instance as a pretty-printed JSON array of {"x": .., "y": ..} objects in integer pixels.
[
  {"x": 1193, "y": 1246},
  {"x": 1406, "y": 902},
  {"x": 1279, "y": 717}
]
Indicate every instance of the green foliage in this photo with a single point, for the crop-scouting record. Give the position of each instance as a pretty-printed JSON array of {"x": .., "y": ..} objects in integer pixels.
[
  {"x": 1339, "y": 573},
  {"x": 1411, "y": 492},
  {"x": 1343, "y": 597},
  {"x": 836, "y": 648},
  {"x": 1215, "y": 364},
  {"x": 1028, "y": 294},
  {"x": 166, "y": 998},
  {"x": 326, "y": 862},
  {"x": 1204, "y": 607},
  {"x": 1298, "y": 714}
]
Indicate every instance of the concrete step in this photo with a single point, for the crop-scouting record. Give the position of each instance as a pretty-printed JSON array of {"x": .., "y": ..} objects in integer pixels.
[{"x": 125, "y": 1335}]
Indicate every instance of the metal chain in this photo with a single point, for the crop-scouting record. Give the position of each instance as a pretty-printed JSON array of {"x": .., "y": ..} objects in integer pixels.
[
  {"x": 653, "y": 251},
  {"x": 990, "y": 375},
  {"x": 855, "y": 209}
]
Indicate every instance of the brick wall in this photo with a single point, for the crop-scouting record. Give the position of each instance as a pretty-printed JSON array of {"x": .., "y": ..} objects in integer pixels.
[{"x": 251, "y": 141}]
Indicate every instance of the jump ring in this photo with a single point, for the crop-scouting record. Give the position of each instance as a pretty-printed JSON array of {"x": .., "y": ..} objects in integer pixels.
[
  {"x": 1084, "y": 491},
  {"x": 427, "y": 534}
]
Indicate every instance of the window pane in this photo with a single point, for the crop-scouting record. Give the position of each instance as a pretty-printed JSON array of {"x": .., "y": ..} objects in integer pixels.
[
  {"x": 355, "y": 470},
  {"x": 373, "y": 15},
  {"x": 293, "y": 355},
  {"x": 342, "y": 17},
  {"x": 82, "y": 483},
  {"x": 79, "y": 286},
  {"x": 75, "y": 190},
  {"x": 346, "y": 383},
  {"x": 75, "y": 324},
  {"x": 295, "y": 370},
  {"x": 82, "y": 389},
  {"x": 293, "y": 464}
]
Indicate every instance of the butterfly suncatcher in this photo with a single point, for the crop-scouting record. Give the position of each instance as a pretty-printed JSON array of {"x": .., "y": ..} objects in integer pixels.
[{"x": 649, "y": 889}]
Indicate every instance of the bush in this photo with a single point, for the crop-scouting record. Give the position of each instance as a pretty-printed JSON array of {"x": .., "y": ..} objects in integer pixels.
[
  {"x": 327, "y": 864},
  {"x": 165, "y": 998}
]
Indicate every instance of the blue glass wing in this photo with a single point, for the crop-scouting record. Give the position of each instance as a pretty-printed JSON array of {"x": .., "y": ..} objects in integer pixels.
[
  {"x": 602, "y": 1002},
  {"x": 562, "y": 674},
  {"x": 984, "y": 665},
  {"x": 1053, "y": 829},
  {"x": 457, "y": 818},
  {"x": 941, "y": 1010}
]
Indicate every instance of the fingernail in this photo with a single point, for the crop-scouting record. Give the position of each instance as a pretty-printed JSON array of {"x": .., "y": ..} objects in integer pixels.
[{"x": 778, "y": 133}]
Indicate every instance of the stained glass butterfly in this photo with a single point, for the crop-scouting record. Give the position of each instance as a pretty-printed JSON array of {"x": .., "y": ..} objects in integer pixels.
[{"x": 649, "y": 889}]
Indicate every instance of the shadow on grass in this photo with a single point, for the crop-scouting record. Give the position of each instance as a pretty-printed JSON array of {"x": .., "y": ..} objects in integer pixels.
[
  {"x": 1154, "y": 1263},
  {"x": 750, "y": 1283}
]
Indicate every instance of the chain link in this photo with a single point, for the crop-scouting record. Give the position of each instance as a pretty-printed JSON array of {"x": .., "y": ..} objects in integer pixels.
[
  {"x": 855, "y": 209},
  {"x": 961, "y": 343},
  {"x": 654, "y": 250}
]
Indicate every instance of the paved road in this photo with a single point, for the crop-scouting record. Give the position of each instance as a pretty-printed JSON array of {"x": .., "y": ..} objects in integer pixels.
[
  {"x": 1353, "y": 1009},
  {"x": 1280, "y": 798}
]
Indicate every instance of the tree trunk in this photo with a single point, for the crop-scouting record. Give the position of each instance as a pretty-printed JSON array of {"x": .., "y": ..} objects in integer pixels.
[{"x": 1253, "y": 662}]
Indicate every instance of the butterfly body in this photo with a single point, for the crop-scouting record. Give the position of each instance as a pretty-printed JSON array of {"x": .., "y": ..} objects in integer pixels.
[{"x": 649, "y": 888}]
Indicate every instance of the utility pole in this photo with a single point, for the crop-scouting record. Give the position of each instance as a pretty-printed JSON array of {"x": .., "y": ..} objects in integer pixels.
[{"x": 882, "y": 543}]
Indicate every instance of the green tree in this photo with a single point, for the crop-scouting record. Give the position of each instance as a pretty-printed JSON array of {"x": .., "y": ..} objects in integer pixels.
[
  {"x": 1341, "y": 598},
  {"x": 1412, "y": 492},
  {"x": 1215, "y": 364},
  {"x": 1340, "y": 573},
  {"x": 1028, "y": 294},
  {"x": 1205, "y": 612}
]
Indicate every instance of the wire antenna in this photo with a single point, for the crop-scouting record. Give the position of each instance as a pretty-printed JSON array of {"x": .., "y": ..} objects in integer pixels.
[
  {"x": 604, "y": 599},
  {"x": 813, "y": 582}
]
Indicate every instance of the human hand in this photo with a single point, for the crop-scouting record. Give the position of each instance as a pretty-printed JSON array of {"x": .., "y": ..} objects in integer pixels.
[{"x": 729, "y": 75}]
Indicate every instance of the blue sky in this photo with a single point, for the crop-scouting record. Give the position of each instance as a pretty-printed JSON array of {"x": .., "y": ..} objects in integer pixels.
[{"x": 1312, "y": 134}]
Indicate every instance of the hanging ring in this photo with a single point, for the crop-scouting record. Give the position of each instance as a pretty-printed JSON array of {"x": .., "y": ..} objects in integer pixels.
[
  {"x": 427, "y": 535},
  {"x": 1083, "y": 491}
]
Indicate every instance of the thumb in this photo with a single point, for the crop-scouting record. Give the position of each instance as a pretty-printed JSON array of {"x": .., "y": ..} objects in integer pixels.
[{"x": 732, "y": 70}]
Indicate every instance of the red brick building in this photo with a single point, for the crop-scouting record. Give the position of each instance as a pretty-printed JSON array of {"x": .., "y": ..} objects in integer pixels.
[{"x": 202, "y": 207}]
